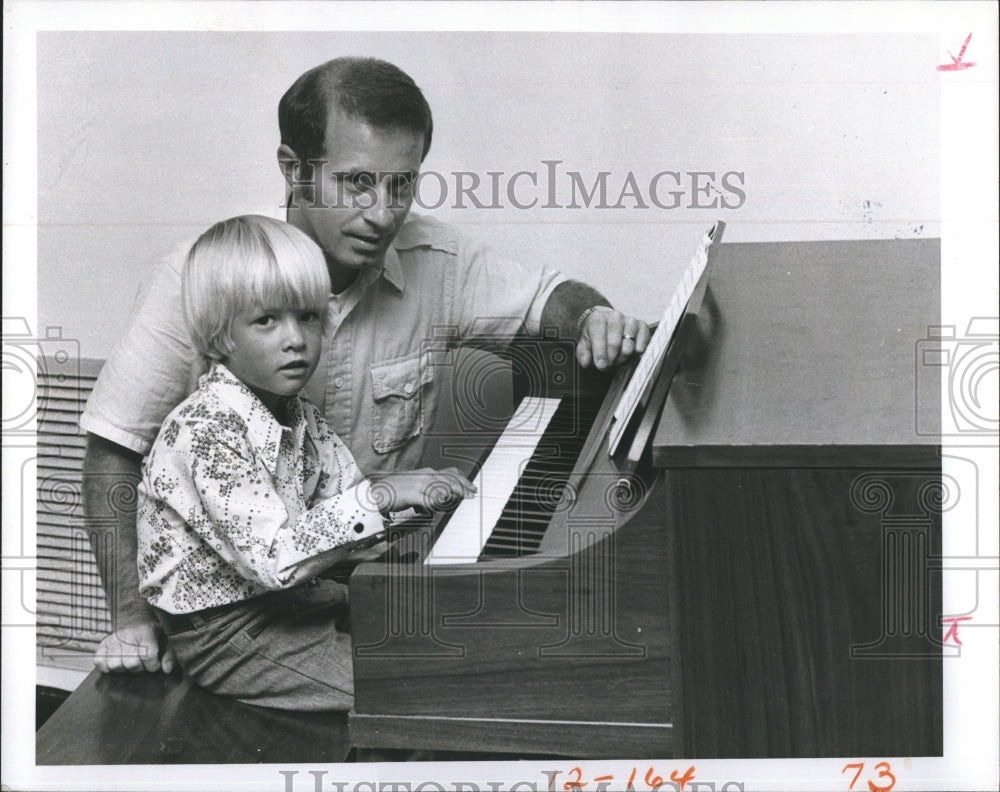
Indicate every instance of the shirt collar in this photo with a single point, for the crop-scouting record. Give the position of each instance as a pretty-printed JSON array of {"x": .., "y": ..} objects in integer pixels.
[
  {"x": 263, "y": 430},
  {"x": 392, "y": 269},
  {"x": 389, "y": 267}
]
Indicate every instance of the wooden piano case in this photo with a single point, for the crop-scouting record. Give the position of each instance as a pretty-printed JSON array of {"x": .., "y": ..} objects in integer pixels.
[
  {"x": 803, "y": 505},
  {"x": 766, "y": 587},
  {"x": 563, "y": 650}
]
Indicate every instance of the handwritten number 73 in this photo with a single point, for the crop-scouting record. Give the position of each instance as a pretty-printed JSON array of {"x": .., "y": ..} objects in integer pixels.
[{"x": 888, "y": 780}]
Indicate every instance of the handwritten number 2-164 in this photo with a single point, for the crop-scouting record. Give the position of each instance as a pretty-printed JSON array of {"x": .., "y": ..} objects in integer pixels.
[{"x": 885, "y": 777}]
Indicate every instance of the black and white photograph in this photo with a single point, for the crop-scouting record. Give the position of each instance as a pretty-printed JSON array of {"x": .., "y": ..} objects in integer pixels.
[{"x": 507, "y": 396}]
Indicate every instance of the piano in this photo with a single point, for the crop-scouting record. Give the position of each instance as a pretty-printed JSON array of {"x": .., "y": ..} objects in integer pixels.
[{"x": 762, "y": 580}]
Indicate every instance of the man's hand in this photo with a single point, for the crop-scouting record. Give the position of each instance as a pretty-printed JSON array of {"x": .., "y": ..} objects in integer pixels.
[
  {"x": 608, "y": 338},
  {"x": 135, "y": 648},
  {"x": 137, "y": 643},
  {"x": 425, "y": 488}
]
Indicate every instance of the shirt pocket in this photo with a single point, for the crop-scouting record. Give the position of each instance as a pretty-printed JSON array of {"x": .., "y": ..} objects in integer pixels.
[{"x": 397, "y": 396}]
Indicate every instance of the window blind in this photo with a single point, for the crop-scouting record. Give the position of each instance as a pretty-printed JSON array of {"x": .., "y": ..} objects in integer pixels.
[{"x": 72, "y": 615}]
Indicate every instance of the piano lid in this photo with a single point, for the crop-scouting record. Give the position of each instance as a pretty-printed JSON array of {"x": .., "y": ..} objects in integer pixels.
[{"x": 811, "y": 354}]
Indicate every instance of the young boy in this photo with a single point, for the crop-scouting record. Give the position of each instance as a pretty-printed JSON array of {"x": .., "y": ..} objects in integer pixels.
[{"x": 247, "y": 494}]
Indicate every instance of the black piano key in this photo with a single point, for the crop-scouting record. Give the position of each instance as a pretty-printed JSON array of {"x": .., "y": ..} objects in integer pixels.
[
  {"x": 519, "y": 529},
  {"x": 539, "y": 490}
]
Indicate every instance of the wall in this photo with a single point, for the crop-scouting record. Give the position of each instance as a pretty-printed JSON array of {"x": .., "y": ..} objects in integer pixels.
[{"x": 146, "y": 138}]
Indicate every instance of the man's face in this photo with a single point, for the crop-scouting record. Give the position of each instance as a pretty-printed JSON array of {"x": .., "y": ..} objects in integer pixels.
[{"x": 364, "y": 191}]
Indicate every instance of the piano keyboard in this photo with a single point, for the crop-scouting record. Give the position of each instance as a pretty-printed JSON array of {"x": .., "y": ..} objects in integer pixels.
[
  {"x": 541, "y": 490},
  {"x": 469, "y": 527},
  {"x": 520, "y": 485}
]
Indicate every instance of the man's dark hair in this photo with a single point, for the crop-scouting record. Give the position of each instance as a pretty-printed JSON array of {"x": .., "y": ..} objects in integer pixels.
[{"x": 368, "y": 89}]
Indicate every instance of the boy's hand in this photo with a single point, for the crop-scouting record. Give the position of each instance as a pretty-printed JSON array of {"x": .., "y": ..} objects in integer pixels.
[
  {"x": 135, "y": 648},
  {"x": 434, "y": 490}
]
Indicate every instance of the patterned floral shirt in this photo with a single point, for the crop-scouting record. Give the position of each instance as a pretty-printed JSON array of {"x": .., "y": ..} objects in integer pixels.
[{"x": 233, "y": 504}]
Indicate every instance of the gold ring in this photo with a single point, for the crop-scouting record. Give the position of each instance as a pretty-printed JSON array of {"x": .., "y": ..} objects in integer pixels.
[{"x": 627, "y": 337}]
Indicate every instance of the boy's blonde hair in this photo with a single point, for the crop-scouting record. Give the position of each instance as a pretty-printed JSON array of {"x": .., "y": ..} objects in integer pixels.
[{"x": 244, "y": 262}]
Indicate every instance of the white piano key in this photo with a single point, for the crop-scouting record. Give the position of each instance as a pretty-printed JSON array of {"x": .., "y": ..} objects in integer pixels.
[{"x": 472, "y": 522}]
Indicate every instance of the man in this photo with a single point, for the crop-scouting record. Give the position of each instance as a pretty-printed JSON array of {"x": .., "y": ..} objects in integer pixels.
[{"x": 354, "y": 133}]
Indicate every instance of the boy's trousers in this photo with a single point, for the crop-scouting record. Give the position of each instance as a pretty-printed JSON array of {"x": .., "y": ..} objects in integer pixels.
[{"x": 287, "y": 649}]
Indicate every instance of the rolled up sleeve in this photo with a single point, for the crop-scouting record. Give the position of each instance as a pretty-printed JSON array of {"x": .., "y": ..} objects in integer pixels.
[
  {"x": 499, "y": 296},
  {"x": 152, "y": 368}
]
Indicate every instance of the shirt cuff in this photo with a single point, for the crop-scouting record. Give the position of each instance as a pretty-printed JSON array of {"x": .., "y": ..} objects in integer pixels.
[{"x": 108, "y": 431}]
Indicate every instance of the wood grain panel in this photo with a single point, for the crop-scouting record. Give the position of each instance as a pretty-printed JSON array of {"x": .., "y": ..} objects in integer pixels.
[
  {"x": 525, "y": 737},
  {"x": 781, "y": 581}
]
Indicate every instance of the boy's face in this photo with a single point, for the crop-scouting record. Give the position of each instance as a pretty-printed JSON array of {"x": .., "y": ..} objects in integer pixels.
[{"x": 275, "y": 350}]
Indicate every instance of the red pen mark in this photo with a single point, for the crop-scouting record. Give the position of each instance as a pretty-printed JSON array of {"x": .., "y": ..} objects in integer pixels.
[
  {"x": 957, "y": 64},
  {"x": 953, "y": 630},
  {"x": 885, "y": 776},
  {"x": 884, "y": 771},
  {"x": 682, "y": 780},
  {"x": 578, "y": 783},
  {"x": 860, "y": 766}
]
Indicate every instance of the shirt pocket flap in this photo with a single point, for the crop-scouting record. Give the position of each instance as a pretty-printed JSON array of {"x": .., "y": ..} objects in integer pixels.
[{"x": 402, "y": 377}]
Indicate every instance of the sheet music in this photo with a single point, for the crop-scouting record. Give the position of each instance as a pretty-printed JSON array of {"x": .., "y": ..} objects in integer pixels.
[
  {"x": 657, "y": 346},
  {"x": 473, "y": 520}
]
